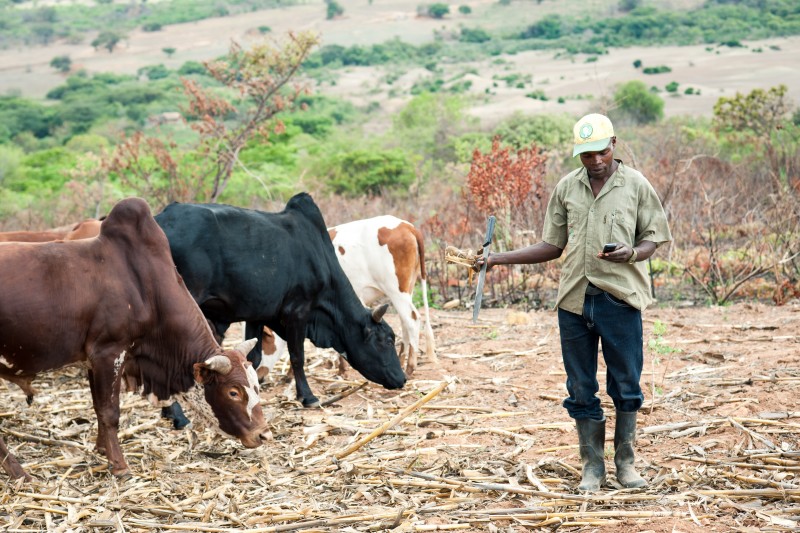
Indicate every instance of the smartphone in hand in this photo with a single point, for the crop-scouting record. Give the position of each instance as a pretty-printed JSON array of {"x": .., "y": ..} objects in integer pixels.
[{"x": 610, "y": 247}]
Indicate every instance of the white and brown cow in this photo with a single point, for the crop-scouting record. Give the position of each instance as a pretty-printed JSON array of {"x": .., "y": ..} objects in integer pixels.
[{"x": 381, "y": 257}]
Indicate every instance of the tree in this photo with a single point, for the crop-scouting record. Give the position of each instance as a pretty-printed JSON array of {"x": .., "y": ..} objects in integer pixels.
[
  {"x": 260, "y": 79},
  {"x": 61, "y": 63},
  {"x": 107, "y": 40},
  {"x": 334, "y": 9},
  {"x": 438, "y": 10},
  {"x": 629, "y": 5},
  {"x": 759, "y": 111},
  {"x": 634, "y": 102}
]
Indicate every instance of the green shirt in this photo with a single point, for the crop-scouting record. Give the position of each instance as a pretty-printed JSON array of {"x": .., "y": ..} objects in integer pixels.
[{"x": 627, "y": 211}]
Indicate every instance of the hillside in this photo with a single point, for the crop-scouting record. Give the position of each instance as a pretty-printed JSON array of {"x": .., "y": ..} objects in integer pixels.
[{"x": 713, "y": 71}]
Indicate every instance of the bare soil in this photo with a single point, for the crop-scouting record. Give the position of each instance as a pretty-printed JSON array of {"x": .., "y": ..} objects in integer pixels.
[{"x": 493, "y": 451}]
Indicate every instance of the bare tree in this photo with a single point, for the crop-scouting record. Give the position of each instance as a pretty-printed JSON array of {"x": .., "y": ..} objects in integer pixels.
[{"x": 258, "y": 80}]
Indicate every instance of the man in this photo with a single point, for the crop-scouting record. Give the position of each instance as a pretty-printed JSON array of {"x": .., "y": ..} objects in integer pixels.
[{"x": 602, "y": 293}]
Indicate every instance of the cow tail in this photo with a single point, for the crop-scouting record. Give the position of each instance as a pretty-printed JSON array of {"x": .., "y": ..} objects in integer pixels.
[{"x": 430, "y": 345}]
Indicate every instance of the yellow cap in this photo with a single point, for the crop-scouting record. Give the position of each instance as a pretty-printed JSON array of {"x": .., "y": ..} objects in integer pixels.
[{"x": 592, "y": 133}]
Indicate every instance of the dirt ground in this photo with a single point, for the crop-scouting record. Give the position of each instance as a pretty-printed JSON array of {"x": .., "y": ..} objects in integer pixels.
[{"x": 492, "y": 450}]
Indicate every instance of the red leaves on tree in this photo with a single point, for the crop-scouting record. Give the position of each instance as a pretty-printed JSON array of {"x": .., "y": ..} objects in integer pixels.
[{"x": 503, "y": 180}]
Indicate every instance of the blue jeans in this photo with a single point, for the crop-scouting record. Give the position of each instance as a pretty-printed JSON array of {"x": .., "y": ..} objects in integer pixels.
[{"x": 619, "y": 326}]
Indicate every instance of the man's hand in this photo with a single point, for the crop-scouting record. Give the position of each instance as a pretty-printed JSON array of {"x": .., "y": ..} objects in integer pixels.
[
  {"x": 621, "y": 254},
  {"x": 477, "y": 264}
]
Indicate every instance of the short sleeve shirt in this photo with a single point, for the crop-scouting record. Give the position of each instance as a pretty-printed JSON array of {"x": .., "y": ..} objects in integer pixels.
[{"x": 627, "y": 210}]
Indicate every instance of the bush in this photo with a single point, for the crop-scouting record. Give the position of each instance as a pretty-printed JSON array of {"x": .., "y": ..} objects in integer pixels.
[
  {"x": 333, "y": 10},
  {"x": 656, "y": 70},
  {"x": 154, "y": 72},
  {"x": 474, "y": 35},
  {"x": 151, "y": 26},
  {"x": 464, "y": 10},
  {"x": 438, "y": 10},
  {"x": 549, "y": 27},
  {"x": 552, "y": 132},
  {"x": 672, "y": 87},
  {"x": 61, "y": 63},
  {"x": 635, "y": 103},
  {"x": 366, "y": 171},
  {"x": 192, "y": 67}
]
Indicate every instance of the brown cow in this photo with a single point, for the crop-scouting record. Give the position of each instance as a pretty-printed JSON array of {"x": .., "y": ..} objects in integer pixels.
[
  {"x": 82, "y": 230},
  {"x": 117, "y": 305}
]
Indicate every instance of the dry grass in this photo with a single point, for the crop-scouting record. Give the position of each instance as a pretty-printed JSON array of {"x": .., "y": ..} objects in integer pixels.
[{"x": 480, "y": 443}]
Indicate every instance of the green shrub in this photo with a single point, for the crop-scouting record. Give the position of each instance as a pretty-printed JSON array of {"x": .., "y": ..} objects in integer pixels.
[
  {"x": 154, "y": 72},
  {"x": 192, "y": 67},
  {"x": 366, "y": 171},
  {"x": 438, "y": 10},
  {"x": 656, "y": 70},
  {"x": 151, "y": 26},
  {"x": 61, "y": 63},
  {"x": 672, "y": 87},
  {"x": 464, "y": 10},
  {"x": 474, "y": 35},
  {"x": 635, "y": 103},
  {"x": 547, "y": 131},
  {"x": 333, "y": 10},
  {"x": 549, "y": 27}
]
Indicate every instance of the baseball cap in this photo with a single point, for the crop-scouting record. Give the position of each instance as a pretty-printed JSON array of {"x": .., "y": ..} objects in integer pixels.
[{"x": 592, "y": 133}]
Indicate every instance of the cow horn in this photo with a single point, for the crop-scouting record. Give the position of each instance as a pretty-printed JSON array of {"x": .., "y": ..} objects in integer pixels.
[
  {"x": 246, "y": 346},
  {"x": 378, "y": 312},
  {"x": 219, "y": 363}
]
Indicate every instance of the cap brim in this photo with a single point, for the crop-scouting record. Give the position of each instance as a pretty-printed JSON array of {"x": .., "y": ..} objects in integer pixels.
[{"x": 594, "y": 146}]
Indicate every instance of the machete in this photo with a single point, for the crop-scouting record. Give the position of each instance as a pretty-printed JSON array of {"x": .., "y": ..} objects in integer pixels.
[{"x": 487, "y": 242}]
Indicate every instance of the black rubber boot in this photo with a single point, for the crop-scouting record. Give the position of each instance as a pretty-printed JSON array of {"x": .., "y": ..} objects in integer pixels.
[
  {"x": 624, "y": 440},
  {"x": 592, "y": 437}
]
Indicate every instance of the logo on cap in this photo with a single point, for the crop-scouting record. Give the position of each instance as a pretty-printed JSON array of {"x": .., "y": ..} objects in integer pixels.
[{"x": 586, "y": 131}]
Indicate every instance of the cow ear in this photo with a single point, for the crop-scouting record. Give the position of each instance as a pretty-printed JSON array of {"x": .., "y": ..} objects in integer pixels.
[
  {"x": 378, "y": 312},
  {"x": 245, "y": 347}
]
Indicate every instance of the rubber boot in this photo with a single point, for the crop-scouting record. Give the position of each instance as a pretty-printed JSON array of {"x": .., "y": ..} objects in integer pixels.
[
  {"x": 624, "y": 440},
  {"x": 592, "y": 437}
]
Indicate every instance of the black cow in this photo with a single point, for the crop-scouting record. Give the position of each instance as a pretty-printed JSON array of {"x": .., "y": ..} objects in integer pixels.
[{"x": 279, "y": 270}]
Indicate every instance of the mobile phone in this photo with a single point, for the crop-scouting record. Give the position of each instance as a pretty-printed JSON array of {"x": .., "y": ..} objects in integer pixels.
[{"x": 610, "y": 247}]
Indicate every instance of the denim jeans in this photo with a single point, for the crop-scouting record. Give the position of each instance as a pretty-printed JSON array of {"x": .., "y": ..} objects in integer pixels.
[{"x": 619, "y": 326}]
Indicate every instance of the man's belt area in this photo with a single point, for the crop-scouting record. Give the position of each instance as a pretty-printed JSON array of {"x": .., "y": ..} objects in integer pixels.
[{"x": 592, "y": 290}]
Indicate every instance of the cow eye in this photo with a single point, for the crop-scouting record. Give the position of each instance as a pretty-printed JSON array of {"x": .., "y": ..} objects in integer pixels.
[{"x": 234, "y": 394}]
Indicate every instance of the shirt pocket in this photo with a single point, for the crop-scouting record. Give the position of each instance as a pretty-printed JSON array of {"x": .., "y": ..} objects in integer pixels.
[
  {"x": 618, "y": 227},
  {"x": 576, "y": 222}
]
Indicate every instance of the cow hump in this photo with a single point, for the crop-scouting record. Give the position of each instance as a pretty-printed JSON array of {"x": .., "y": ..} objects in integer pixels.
[
  {"x": 126, "y": 214},
  {"x": 304, "y": 204}
]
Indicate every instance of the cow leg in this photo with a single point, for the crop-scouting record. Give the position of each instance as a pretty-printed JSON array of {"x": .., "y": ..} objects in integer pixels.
[
  {"x": 254, "y": 330},
  {"x": 105, "y": 398},
  {"x": 174, "y": 412},
  {"x": 295, "y": 339},
  {"x": 409, "y": 323},
  {"x": 10, "y": 463},
  {"x": 341, "y": 371}
]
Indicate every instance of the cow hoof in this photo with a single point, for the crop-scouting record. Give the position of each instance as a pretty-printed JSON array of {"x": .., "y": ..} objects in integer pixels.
[
  {"x": 122, "y": 475},
  {"x": 312, "y": 404}
]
